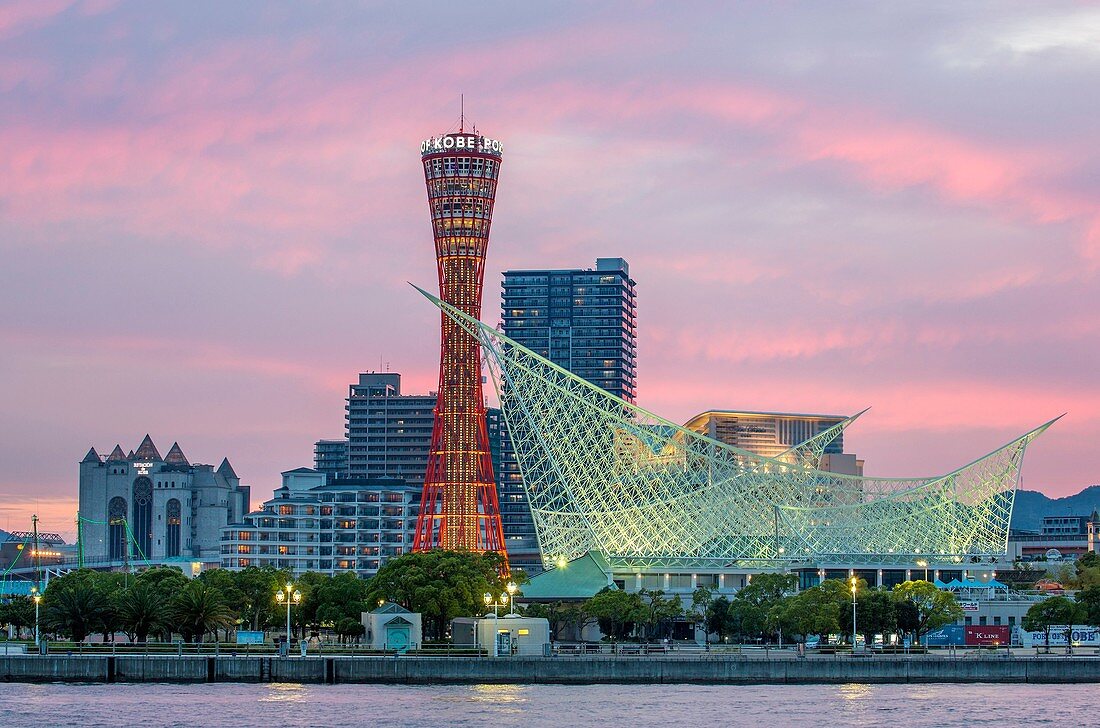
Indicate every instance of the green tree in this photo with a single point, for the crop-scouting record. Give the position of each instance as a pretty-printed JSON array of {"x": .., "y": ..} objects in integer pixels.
[
  {"x": 758, "y": 607},
  {"x": 1087, "y": 568},
  {"x": 717, "y": 618},
  {"x": 908, "y": 617},
  {"x": 765, "y": 590},
  {"x": 618, "y": 612},
  {"x": 877, "y": 613},
  {"x": 1052, "y": 611},
  {"x": 348, "y": 629},
  {"x": 746, "y": 619},
  {"x": 560, "y": 615},
  {"x": 165, "y": 583},
  {"x": 439, "y": 584},
  {"x": 141, "y": 611},
  {"x": 257, "y": 586},
  {"x": 1089, "y": 600},
  {"x": 224, "y": 582},
  {"x": 343, "y": 596},
  {"x": 198, "y": 610},
  {"x": 700, "y": 601},
  {"x": 311, "y": 584},
  {"x": 74, "y": 606},
  {"x": 661, "y": 612},
  {"x": 814, "y": 611},
  {"x": 18, "y": 612},
  {"x": 935, "y": 607}
]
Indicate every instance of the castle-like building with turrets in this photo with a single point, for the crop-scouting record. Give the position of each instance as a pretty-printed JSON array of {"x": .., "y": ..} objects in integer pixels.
[{"x": 143, "y": 508}]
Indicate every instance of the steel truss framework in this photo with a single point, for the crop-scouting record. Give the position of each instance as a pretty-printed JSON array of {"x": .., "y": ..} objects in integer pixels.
[
  {"x": 458, "y": 506},
  {"x": 608, "y": 476}
]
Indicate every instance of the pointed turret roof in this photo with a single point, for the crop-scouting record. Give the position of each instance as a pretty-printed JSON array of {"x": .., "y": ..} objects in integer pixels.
[
  {"x": 116, "y": 456},
  {"x": 175, "y": 455},
  {"x": 92, "y": 457},
  {"x": 130, "y": 456},
  {"x": 147, "y": 450},
  {"x": 226, "y": 470}
]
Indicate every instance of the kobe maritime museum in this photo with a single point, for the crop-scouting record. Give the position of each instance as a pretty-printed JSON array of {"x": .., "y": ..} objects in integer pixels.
[{"x": 652, "y": 503}]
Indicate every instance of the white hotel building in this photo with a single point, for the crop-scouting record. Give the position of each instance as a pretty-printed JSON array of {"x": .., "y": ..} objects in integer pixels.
[{"x": 313, "y": 524}]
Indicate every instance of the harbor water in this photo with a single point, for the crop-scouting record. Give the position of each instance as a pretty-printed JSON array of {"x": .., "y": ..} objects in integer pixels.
[{"x": 532, "y": 706}]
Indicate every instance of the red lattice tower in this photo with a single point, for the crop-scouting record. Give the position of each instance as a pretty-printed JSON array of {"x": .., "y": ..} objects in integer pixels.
[{"x": 459, "y": 509}]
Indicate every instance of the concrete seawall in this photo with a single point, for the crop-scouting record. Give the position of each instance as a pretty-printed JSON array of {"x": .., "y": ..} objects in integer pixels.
[{"x": 560, "y": 670}]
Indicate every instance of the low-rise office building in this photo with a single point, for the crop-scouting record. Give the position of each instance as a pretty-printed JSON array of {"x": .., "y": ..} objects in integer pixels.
[
  {"x": 1059, "y": 538},
  {"x": 770, "y": 434}
]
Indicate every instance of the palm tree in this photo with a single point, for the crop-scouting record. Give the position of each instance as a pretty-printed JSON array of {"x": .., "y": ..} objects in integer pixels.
[
  {"x": 77, "y": 610},
  {"x": 141, "y": 611},
  {"x": 199, "y": 609}
]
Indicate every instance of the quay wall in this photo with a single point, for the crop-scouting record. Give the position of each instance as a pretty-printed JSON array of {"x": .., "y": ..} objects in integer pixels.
[{"x": 559, "y": 670}]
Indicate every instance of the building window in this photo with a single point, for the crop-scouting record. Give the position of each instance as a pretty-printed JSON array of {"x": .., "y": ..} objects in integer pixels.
[
  {"x": 172, "y": 514},
  {"x": 116, "y": 519},
  {"x": 143, "y": 515}
]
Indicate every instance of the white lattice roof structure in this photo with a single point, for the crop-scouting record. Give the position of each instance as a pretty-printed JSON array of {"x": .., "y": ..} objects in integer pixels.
[{"x": 607, "y": 476}]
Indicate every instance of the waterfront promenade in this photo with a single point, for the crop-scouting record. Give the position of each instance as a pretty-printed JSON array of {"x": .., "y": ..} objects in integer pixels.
[{"x": 419, "y": 670}]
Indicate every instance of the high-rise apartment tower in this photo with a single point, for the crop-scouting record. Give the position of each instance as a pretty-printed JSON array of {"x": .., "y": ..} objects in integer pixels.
[{"x": 583, "y": 320}]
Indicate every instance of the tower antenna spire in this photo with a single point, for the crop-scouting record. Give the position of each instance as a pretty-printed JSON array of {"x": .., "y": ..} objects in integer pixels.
[{"x": 461, "y": 113}]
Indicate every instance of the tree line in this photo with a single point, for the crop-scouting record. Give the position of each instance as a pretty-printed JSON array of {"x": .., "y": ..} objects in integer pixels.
[
  {"x": 766, "y": 609},
  {"x": 161, "y": 604}
]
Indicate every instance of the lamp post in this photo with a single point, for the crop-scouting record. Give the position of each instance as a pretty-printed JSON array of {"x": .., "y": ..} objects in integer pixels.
[
  {"x": 924, "y": 564},
  {"x": 854, "y": 581},
  {"x": 491, "y": 602},
  {"x": 288, "y": 595},
  {"x": 511, "y": 588},
  {"x": 37, "y": 600}
]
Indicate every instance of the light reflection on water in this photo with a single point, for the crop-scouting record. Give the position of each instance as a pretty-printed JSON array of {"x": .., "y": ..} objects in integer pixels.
[
  {"x": 285, "y": 693},
  {"x": 534, "y": 706}
]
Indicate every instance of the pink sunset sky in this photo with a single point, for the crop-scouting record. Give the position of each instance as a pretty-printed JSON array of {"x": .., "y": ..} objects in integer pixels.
[{"x": 209, "y": 212}]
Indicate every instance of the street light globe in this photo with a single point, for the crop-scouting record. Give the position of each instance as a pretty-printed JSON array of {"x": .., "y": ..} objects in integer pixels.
[
  {"x": 488, "y": 598},
  {"x": 511, "y": 587},
  {"x": 504, "y": 598},
  {"x": 289, "y": 586},
  {"x": 297, "y": 596},
  {"x": 280, "y": 597}
]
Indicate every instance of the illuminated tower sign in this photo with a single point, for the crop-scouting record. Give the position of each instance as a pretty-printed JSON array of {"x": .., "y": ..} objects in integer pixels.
[{"x": 459, "y": 508}]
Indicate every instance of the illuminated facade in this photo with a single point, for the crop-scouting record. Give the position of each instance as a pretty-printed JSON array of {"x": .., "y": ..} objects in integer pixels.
[
  {"x": 583, "y": 320},
  {"x": 772, "y": 434},
  {"x": 459, "y": 507},
  {"x": 648, "y": 494},
  {"x": 313, "y": 523}
]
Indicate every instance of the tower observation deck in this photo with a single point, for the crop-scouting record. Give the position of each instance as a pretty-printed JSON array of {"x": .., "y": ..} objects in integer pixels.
[{"x": 459, "y": 508}]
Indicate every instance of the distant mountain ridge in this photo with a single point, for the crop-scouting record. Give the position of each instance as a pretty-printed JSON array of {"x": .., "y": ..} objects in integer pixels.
[{"x": 1031, "y": 506}]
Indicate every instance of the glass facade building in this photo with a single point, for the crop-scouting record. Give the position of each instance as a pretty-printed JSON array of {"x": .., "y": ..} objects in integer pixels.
[{"x": 584, "y": 321}]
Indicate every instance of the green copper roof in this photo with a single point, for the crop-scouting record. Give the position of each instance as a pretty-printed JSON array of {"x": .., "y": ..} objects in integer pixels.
[{"x": 581, "y": 578}]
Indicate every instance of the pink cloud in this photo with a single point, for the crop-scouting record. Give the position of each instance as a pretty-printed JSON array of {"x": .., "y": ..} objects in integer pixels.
[{"x": 18, "y": 16}]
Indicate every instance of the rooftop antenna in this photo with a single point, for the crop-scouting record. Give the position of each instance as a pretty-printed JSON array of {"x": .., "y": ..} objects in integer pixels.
[{"x": 461, "y": 113}]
